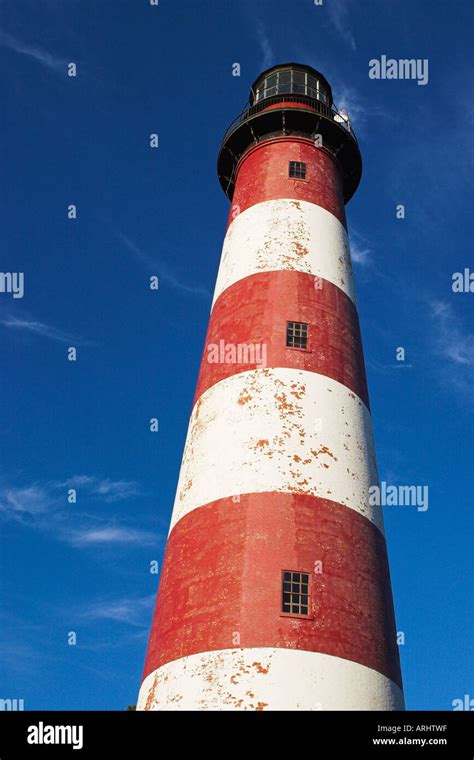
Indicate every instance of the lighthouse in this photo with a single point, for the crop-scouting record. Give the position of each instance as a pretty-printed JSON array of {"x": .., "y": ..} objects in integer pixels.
[{"x": 275, "y": 590}]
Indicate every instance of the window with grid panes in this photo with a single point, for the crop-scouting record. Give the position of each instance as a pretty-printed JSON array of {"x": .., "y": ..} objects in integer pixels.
[
  {"x": 296, "y": 335},
  {"x": 297, "y": 170},
  {"x": 293, "y": 81},
  {"x": 295, "y": 593}
]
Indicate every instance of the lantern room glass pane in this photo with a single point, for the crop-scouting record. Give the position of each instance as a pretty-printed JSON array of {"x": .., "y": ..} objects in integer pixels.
[{"x": 291, "y": 81}]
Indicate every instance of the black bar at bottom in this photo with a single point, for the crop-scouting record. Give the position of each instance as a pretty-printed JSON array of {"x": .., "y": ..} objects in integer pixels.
[{"x": 134, "y": 734}]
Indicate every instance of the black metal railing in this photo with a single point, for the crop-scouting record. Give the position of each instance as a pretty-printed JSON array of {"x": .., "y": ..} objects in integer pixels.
[{"x": 316, "y": 105}]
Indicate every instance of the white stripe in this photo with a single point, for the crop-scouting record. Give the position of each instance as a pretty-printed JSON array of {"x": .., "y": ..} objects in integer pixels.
[
  {"x": 286, "y": 234},
  {"x": 267, "y": 679},
  {"x": 278, "y": 429}
]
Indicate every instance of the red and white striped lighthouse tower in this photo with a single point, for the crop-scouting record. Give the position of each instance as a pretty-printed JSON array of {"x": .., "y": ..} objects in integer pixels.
[{"x": 275, "y": 590}]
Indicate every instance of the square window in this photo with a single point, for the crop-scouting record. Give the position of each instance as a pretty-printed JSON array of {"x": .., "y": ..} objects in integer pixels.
[
  {"x": 297, "y": 601},
  {"x": 297, "y": 336},
  {"x": 297, "y": 170}
]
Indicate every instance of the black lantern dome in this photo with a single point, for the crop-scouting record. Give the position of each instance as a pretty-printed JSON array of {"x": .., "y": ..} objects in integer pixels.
[{"x": 291, "y": 99}]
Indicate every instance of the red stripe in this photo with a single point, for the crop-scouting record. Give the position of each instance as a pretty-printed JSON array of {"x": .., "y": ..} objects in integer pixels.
[
  {"x": 289, "y": 104},
  {"x": 222, "y": 576},
  {"x": 254, "y": 311},
  {"x": 262, "y": 175}
]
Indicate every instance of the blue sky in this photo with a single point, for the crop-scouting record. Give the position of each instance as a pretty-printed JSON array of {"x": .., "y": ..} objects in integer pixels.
[{"x": 84, "y": 567}]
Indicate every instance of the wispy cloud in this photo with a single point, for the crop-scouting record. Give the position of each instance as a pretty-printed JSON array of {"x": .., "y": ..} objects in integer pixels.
[
  {"x": 76, "y": 481},
  {"x": 452, "y": 341},
  {"x": 37, "y": 498},
  {"x": 360, "y": 254},
  {"x": 362, "y": 250},
  {"x": 32, "y": 500},
  {"x": 35, "y": 52},
  {"x": 42, "y": 329},
  {"x": 109, "y": 490},
  {"x": 361, "y": 109},
  {"x": 162, "y": 271},
  {"x": 43, "y": 506},
  {"x": 110, "y": 535},
  {"x": 423, "y": 190},
  {"x": 130, "y": 610},
  {"x": 116, "y": 490},
  {"x": 268, "y": 55},
  {"x": 141, "y": 255},
  {"x": 339, "y": 16},
  {"x": 441, "y": 344}
]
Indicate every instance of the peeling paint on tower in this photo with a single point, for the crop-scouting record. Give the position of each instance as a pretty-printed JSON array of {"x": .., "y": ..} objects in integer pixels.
[{"x": 279, "y": 457}]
